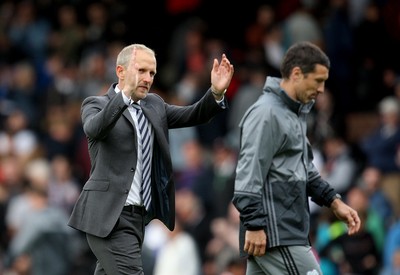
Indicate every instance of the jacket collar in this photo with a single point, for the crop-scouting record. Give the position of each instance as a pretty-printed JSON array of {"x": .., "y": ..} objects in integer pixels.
[{"x": 272, "y": 85}]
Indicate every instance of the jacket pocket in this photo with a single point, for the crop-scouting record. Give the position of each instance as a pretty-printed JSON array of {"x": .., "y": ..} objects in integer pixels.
[{"x": 96, "y": 185}]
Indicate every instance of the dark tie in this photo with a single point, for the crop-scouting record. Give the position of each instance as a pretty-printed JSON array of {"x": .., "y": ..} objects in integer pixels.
[{"x": 146, "y": 165}]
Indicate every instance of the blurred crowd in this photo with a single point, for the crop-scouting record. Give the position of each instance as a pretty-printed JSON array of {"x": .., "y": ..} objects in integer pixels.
[{"x": 53, "y": 54}]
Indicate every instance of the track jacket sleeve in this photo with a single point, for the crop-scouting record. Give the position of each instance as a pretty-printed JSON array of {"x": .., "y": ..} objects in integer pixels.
[
  {"x": 320, "y": 191},
  {"x": 255, "y": 157}
]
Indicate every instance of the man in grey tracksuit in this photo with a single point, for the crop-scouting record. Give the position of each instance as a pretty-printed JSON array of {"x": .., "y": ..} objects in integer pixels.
[{"x": 275, "y": 174}]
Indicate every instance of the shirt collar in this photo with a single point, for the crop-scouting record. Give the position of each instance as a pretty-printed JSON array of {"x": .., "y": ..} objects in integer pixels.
[{"x": 128, "y": 99}]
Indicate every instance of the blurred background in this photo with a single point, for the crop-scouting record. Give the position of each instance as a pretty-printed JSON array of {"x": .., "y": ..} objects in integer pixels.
[{"x": 53, "y": 54}]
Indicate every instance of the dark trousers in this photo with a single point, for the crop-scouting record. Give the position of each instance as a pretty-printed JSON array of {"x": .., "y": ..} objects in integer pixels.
[{"x": 120, "y": 253}]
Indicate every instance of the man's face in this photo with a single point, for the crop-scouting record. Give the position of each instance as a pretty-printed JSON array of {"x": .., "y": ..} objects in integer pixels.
[
  {"x": 136, "y": 78},
  {"x": 146, "y": 70},
  {"x": 310, "y": 85}
]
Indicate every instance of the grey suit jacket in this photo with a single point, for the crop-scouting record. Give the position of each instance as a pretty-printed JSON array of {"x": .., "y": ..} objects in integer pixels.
[{"x": 112, "y": 144}]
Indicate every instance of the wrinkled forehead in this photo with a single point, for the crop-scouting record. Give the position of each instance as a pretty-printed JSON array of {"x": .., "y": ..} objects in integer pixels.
[
  {"x": 147, "y": 61},
  {"x": 145, "y": 56}
]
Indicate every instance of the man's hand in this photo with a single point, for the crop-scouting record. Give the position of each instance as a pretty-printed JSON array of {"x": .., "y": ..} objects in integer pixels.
[
  {"x": 346, "y": 214},
  {"x": 131, "y": 75},
  {"x": 221, "y": 76},
  {"x": 255, "y": 242}
]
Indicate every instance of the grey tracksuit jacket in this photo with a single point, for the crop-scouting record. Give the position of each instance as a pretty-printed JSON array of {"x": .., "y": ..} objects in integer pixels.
[{"x": 275, "y": 174}]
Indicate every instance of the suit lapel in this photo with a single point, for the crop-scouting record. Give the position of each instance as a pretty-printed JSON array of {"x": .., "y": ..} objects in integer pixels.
[
  {"x": 128, "y": 116},
  {"x": 150, "y": 114},
  {"x": 111, "y": 93}
]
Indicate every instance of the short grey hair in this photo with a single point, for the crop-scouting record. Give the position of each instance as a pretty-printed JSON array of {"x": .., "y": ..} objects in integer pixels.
[{"x": 125, "y": 54}]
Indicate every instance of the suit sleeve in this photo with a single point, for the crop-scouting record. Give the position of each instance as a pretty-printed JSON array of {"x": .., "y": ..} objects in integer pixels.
[
  {"x": 100, "y": 114},
  {"x": 200, "y": 112}
]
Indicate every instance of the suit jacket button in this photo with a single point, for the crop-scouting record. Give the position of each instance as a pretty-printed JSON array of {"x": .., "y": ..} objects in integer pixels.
[
  {"x": 132, "y": 170},
  {"x": 126, "y": 191}
]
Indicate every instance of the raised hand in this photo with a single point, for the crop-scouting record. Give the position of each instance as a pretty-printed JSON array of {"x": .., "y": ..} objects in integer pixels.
[
  {"x": 131, "y": 75},
  {"x": 221, "y": 75}
]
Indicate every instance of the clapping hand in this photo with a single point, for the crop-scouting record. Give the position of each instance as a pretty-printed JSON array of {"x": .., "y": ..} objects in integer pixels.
[{"x": 221, "y": 76}]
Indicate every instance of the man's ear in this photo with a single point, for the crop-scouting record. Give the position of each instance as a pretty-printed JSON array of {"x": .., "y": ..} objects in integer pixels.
[
  {"x": 297, "y": 74},
  {"x": 120, "y": 72}
]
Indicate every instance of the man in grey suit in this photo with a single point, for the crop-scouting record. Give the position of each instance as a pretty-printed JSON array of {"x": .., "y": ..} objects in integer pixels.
[{"x": 111, "y": 209}]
